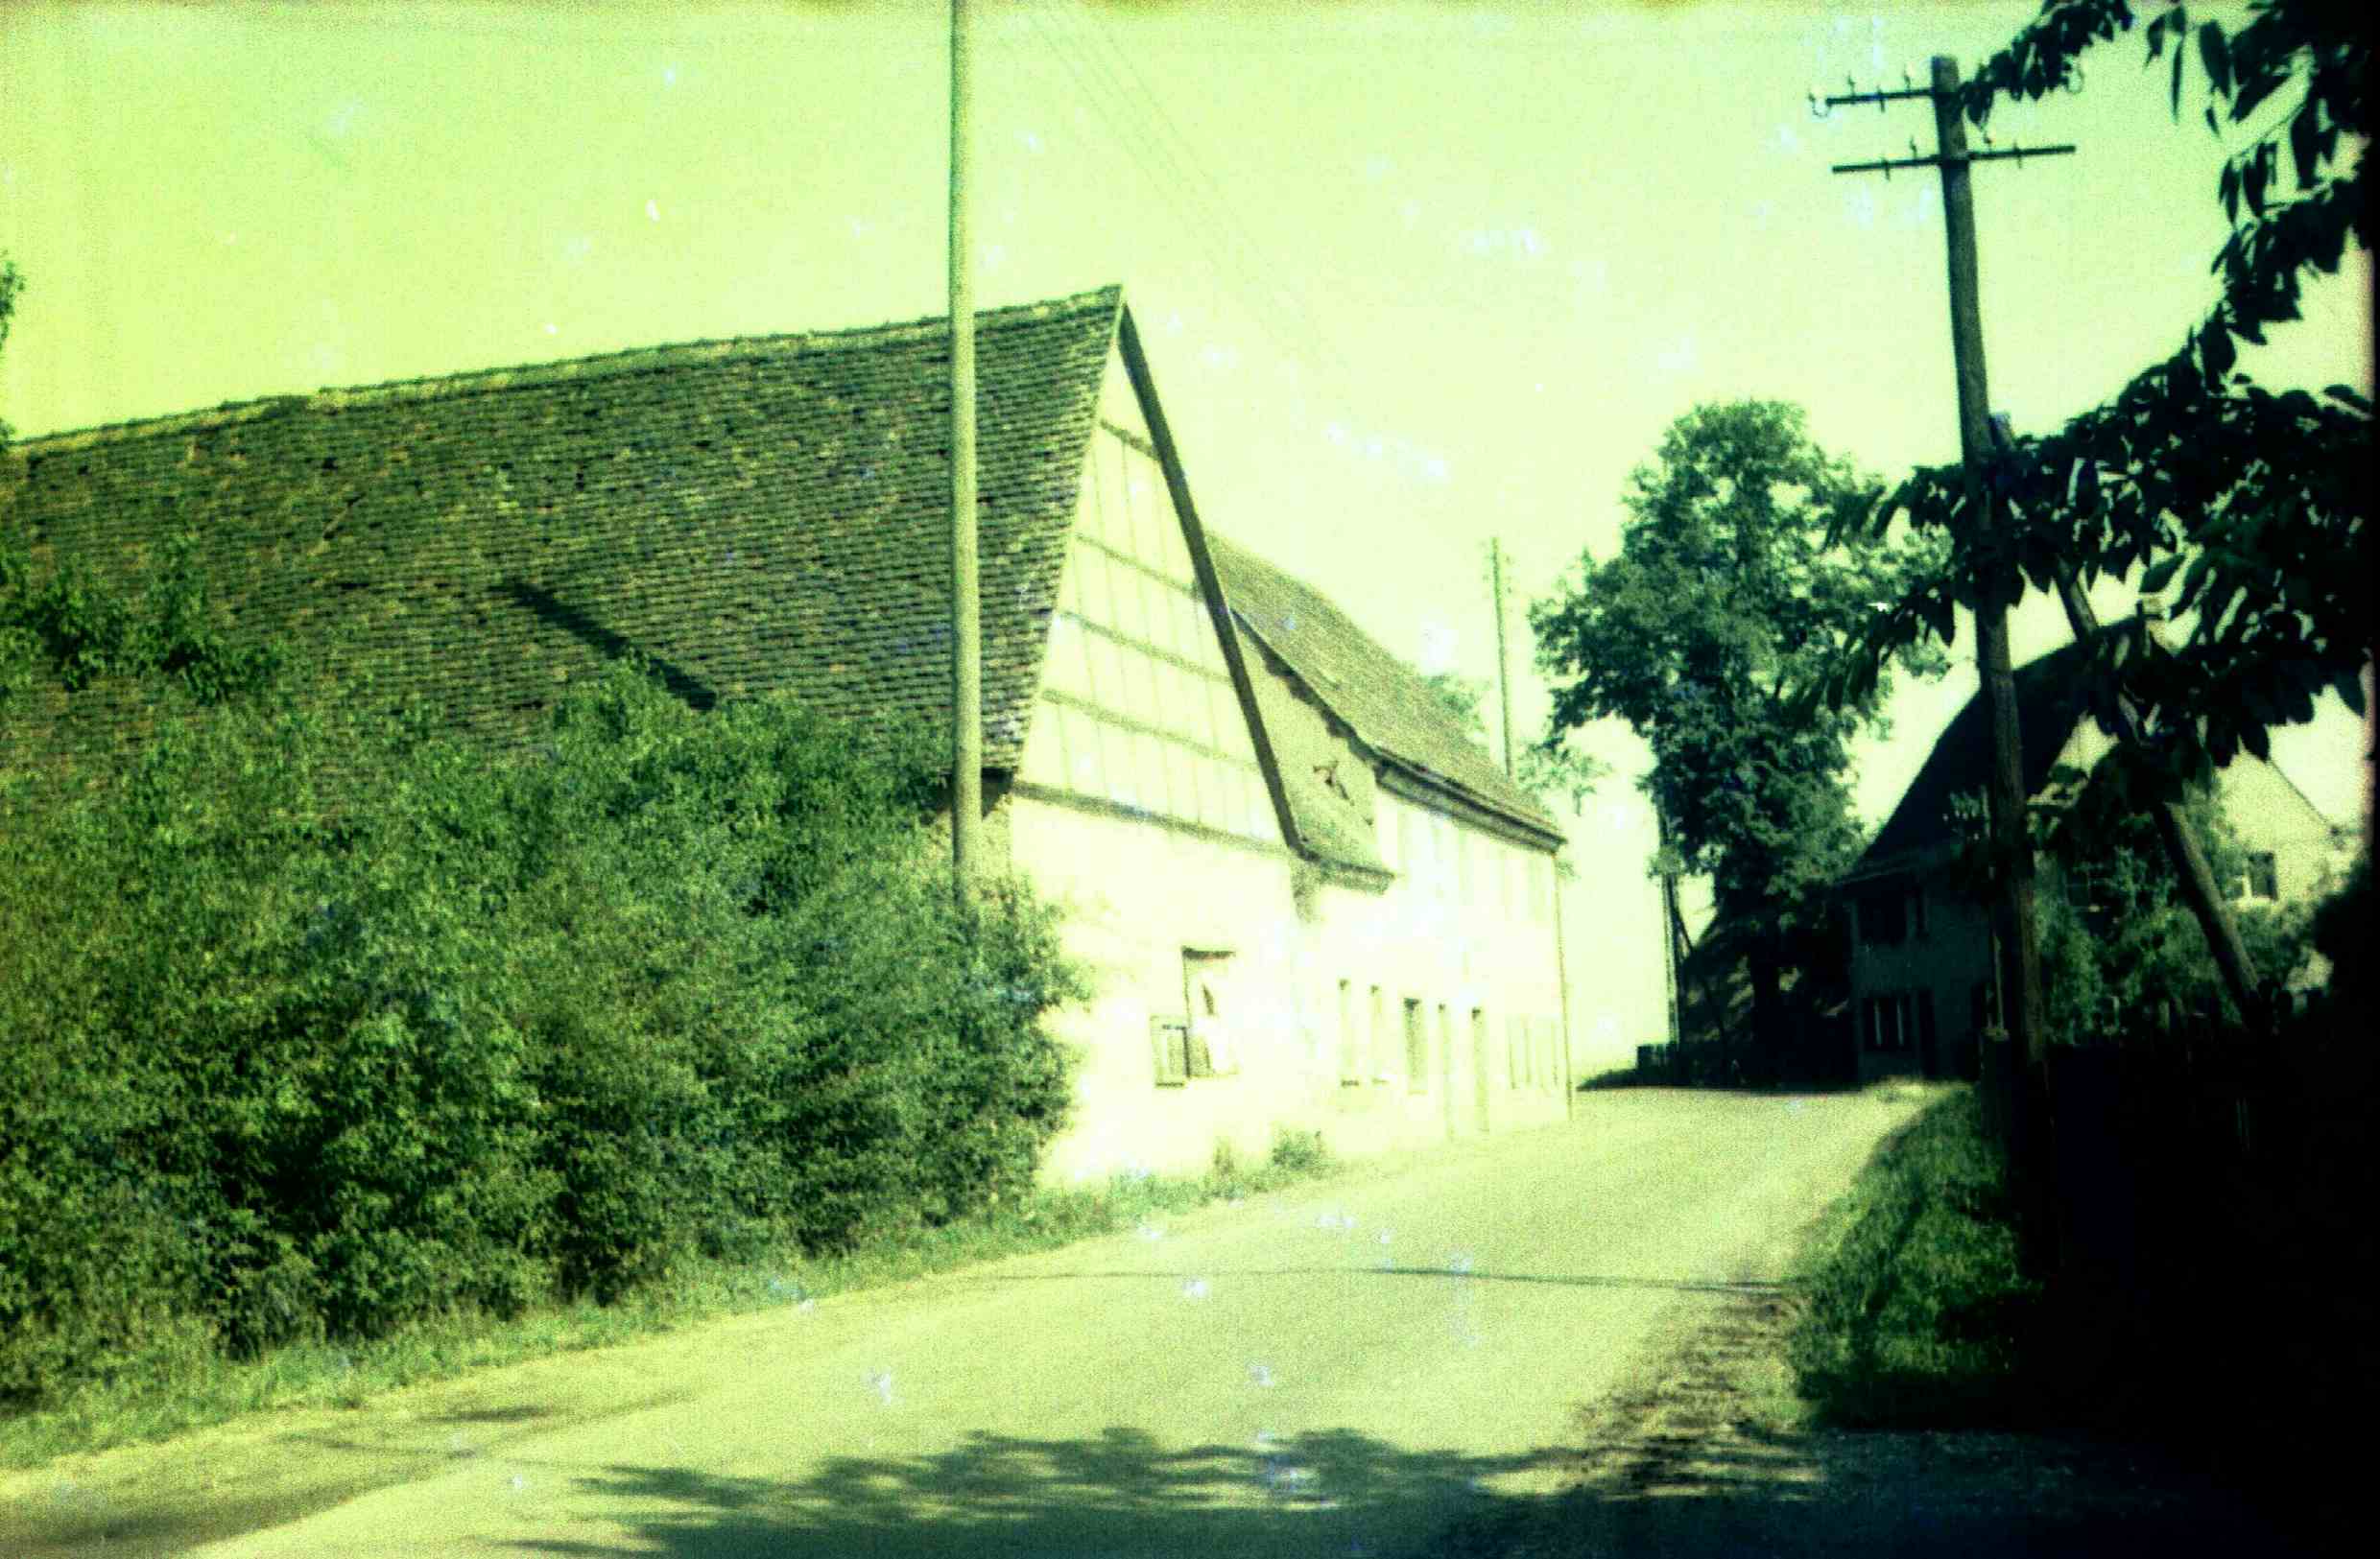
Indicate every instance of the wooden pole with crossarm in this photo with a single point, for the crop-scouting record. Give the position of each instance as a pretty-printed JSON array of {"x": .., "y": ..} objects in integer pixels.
[{"x": 2012, "y": 918}]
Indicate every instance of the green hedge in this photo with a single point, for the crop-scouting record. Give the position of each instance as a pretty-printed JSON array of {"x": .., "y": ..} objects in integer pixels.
[{"x": 314, "y": 1029}]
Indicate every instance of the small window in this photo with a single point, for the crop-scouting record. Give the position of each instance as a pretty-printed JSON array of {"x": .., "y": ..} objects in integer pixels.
[
  {"x": 1917, "y": 909},
  {"x": 1445, "y": 1038},
  {"x": 1379, "y": 1036},
  {"x": 1206, "y": 998},
  {"x": 1881, "y": 923},
  {"x": 1416, "y": 1048},
  {"x": 1169, "y": 1041},
  {"x": 2263, "y": 877},
  {"x": 1889, "y": 1023}
]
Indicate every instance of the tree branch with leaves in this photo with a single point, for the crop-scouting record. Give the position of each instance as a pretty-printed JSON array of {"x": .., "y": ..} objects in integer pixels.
[{"x": 2251, "y": 507}]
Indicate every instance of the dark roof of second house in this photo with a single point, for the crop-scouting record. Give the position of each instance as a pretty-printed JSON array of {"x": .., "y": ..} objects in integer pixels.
[
  {"x": 2050, "y": 704},
  {"x": 1382, "y": 700},
  {"x": 756, "y": 515}
]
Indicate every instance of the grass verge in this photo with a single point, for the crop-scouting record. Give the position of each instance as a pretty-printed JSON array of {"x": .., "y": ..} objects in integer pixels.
[
  {"x": 1912, "y": 1314},
  {"x": 202, "y": 1388}
]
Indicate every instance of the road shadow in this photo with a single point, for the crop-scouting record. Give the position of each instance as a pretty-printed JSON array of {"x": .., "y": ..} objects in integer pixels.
[
  {"x": 1334, "y": 1492},
  {"x": 1453, "y": 1274}
]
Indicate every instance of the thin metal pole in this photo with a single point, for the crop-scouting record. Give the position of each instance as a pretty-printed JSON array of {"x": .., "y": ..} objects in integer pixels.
[{"x": 966, "y": 663}]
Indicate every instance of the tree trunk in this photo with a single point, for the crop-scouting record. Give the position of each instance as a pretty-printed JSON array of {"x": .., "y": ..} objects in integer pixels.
[{"x": 1768, "y": 1014}]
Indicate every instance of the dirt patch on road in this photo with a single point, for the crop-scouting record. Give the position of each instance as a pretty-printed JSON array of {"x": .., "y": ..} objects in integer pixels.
[{"x": 1704, "y": 1452}]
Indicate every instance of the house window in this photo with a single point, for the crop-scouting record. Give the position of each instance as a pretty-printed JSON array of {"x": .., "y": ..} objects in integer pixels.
[
  {"x": 1917, "y": 909},
  {"x": 1416, "y": 1048},
  {"x": 1889, "y": 1023},
  {"x": 1350, "y": 1048},
  {"x": 1445, "y": 1042},
  {"x": 2260, "y": 882},
  {"x": 1881, "y": 922},
  {"x": 1205, "y": 978},
  {"x": 1169, "y": 1038},
  {"x": 1379, "y": 1037}
]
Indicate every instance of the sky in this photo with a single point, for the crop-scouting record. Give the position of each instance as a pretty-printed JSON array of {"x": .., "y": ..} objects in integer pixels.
[{"x": 1411, "y": 277}]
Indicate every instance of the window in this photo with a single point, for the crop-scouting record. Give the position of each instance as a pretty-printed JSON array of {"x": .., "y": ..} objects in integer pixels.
[
  {"x": 2263, "y": 879},
  {"x": 1350, "y": 1049},
  {"x": 1416, "y": 1048},
  {"x": 1881, "y": 923},
  {"x": 1445, "y": 1042},
  {"x": 1379, "y": 1038},
  {"x": 1207, "y": 996},
  {"x": 1169, "y": 1039},
  {"x": 1917, "y": 909},
  {"x": 1887, "y": 1024}
]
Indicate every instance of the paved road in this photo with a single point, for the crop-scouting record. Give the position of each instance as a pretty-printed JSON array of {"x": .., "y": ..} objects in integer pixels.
[{"x": 1335, "y": 1371}]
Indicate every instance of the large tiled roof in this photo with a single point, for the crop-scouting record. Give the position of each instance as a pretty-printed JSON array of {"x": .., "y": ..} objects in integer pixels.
[
  {"x": 756, "y": 515},
  {"x": 1376, "y": 695},
  {"x": 2050, "y": 704}
]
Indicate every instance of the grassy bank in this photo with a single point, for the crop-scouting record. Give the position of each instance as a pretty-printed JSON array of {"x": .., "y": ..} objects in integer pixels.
[
  {"x": 205, "y": 1388},
  {"x": 1913, "y": 1312}
]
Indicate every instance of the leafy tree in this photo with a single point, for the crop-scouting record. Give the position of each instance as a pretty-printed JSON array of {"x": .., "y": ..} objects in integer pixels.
[
  {"x": 12, "y": 281},
  {"x": 1725, "y": 608},
  {"x": 2118, "y": 944},
  {"x": 2251, "y": 506},
  {"x": 1464, "y": 698}
]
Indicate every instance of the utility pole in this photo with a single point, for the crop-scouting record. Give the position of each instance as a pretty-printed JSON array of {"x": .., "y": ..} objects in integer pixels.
[
  {"x": 1673, "y": 935},
  {"x": 966, "y": 654},
  {"x": 2012, "y": 919},
  {"x": 1504, "y": 682}
]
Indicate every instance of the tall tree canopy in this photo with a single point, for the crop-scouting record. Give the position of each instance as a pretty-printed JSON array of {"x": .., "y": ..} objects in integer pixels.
[
  {"x": 2249, "y": 507},
  {"x": 1727, "y": 609}
]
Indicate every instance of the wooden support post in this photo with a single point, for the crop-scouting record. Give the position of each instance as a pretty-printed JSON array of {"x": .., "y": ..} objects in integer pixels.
[{"x": 2012, "y": 916}]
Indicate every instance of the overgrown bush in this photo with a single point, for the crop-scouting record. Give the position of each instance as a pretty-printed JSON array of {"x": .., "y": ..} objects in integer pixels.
[
  {"x": 318, "y": 1031},
  {"x": 2121, "y": 953}
]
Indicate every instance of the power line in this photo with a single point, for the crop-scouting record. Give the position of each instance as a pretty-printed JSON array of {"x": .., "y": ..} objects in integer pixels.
[{"x": 1181, "y": 181}]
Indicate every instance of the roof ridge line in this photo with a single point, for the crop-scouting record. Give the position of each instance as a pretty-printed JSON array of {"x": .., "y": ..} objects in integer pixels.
[{"x": 560, "y": 371}]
